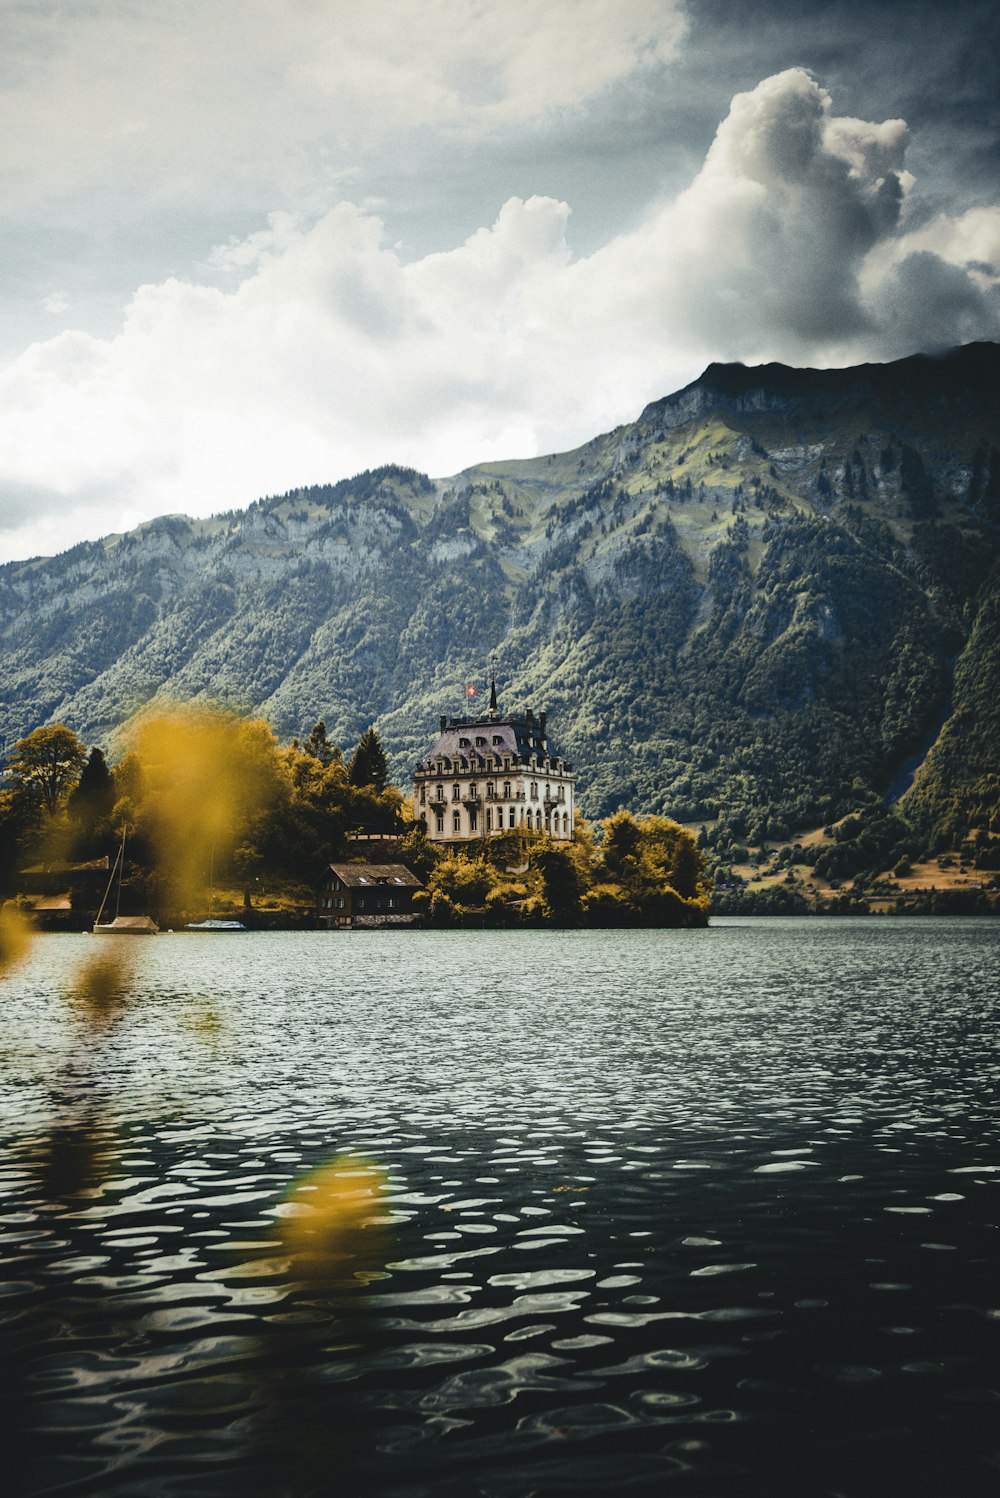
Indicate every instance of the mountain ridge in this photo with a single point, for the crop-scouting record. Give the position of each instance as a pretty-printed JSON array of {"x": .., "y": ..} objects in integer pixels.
[{"x": 735, "y": 607}]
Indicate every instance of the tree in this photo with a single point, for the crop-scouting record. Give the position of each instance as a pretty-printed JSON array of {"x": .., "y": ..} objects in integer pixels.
[
  {"x": 48, "y": 763},
  {"x": 91, "y": 803},
  {"x": 368, "y": 764},
  {"x": 560, "y": 884},
  {"x": 319, "y": 746}
]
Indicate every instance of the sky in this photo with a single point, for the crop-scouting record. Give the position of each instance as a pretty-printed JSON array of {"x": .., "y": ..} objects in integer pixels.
[{"x": 257, "y": 244}]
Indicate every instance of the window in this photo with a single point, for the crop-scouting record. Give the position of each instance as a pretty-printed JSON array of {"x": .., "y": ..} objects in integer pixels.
[
  {"x": 473, "y": 788},
  {"x": 512, "y": 816},
  {"x": 440, "y": 821},
  {"x": 440, "y": 793},
  {"x": 534, "y": 790},
  {"x": 498, "y": 738},
  {"x": 489, "y": 790},
  {"x": 463, "y": 744},
  {"x": 423, "y": 795},
  {"x": 480, "y": 740},
  {"x": 489, "y": 819},
  {"x": 473, "y": 819},
  {"x": 456, "y": 792},
  {"x": 506, "y": 790},
  {"x": 562, "y": 793},
  {"x": 456, "y": 821}
]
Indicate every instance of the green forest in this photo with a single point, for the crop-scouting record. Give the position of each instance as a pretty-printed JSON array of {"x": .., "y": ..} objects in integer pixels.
[
  {"x": 219, "y": 815},
  {"x": 768, "y": 609}
]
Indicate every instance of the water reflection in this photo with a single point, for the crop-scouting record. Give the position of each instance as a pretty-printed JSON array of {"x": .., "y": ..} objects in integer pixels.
[{"x": 704, "y": 1216}]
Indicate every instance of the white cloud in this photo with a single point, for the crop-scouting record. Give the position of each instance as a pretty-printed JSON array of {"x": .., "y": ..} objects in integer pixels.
[
  {"x": 187, "y": 101},
  {"x": 330, "y": 353}
]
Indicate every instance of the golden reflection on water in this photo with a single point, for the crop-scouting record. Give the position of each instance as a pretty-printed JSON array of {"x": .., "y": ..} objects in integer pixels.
[
  {"x": 101, "y": 988},
  {"x": 331, "y": 1221},
  {"x": 15, "y": 936}
]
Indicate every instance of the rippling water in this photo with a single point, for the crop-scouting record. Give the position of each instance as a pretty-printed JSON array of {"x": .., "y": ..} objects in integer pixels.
[{"x": 695, "y": 1213}]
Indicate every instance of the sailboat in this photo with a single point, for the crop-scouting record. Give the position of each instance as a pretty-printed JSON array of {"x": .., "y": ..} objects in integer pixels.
[{"x": 122, "y": 925}]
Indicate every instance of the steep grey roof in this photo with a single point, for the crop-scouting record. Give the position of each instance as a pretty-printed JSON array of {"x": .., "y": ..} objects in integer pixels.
[
  {"x": 368, "y": 875},
  {"x": 463, "y": 740}
]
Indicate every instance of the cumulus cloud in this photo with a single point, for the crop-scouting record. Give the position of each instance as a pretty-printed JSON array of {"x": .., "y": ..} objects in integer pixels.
[{"x": 329, "y": 352}]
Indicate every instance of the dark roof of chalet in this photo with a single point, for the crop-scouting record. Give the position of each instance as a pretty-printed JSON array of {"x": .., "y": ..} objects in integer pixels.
[
  {"x": 364, "y": 875},
  {"x": 95, "y": 866},
  {"x": 464, "y": 739}
]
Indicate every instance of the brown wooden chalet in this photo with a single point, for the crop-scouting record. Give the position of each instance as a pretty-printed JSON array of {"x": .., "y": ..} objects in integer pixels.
[{"x": 366, "y": 895}]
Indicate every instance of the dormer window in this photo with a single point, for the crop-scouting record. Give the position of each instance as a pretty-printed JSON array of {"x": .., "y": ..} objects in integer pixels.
[
  {"x": 464, "y": 744},
  {"x": 480, "y": 740},
  {"x": 498, "y": 738}
]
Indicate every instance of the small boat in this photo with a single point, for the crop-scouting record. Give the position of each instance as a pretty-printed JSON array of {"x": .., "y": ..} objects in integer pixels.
[
  {"x": 122, "y": 925},
  {"x": 127, "y": 925},
  {"x": 215, "y": 925}
]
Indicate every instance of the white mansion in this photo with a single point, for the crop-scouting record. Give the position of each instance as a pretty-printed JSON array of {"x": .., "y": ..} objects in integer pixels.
[{"x": 490, "y": 775}]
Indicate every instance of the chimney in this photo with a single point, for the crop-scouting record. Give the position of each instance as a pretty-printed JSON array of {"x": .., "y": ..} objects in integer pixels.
[{"x": 444, "y": 722}]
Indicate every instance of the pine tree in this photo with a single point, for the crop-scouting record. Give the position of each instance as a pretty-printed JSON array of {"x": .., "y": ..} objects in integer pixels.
[
  {"x": 368, "y": 764},
  {"x": 319, "y": 746}
]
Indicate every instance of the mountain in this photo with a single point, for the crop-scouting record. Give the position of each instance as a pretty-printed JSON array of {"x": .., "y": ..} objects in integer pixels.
[{"x": 770, "y": 600}]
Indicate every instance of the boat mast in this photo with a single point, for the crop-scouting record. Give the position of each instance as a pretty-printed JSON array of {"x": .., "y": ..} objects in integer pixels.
[{"x": 116, "y": 868}]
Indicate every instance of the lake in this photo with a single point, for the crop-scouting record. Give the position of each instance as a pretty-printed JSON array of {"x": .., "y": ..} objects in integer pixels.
[{"x": 699, "y": 1213}]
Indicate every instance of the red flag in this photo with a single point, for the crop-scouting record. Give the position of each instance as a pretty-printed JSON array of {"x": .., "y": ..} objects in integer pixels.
[{"x": 470, "y": 691}]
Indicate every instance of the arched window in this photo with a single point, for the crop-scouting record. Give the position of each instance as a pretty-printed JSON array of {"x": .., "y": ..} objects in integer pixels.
[
  {"x": 456, "y": 792},
  {"x": 456, "y": 821},
  {"x": 489, "y": 790},
  {"x": 534, "y": 790},
  {"x": 565, "y": 824},
  {"x": 489, "y": 819},
  {"x": 440, "y": 793},
  {"x": 512, "y": 821},
  {"x": 538, "y": 821}
]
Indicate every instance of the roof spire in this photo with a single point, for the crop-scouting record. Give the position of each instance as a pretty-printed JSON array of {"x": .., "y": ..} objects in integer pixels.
[{"x": 493, "y": 694}]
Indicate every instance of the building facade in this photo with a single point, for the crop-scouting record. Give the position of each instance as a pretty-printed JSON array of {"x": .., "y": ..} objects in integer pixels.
[
  {"x": 494, "y": 774},
  {"x": 365, "y": 894}
]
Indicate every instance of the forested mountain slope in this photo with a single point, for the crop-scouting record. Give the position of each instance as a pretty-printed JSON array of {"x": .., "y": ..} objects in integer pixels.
[{"x": 756, "y": 605}]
